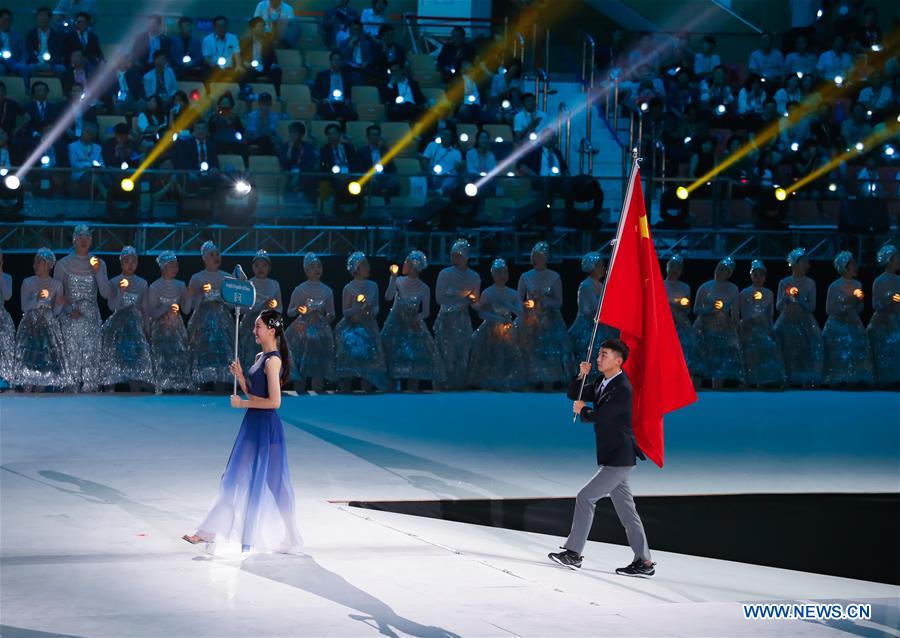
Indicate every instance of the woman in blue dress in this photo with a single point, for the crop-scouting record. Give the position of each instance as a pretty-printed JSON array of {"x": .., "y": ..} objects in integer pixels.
[{"x": 255, "y": 503}]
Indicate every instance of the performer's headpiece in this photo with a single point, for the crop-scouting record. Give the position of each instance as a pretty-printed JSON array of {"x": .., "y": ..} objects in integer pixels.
[
  {"x": 499, "y": 264},
  {"x": 795, "y": 255},
  {"x": 309, "y": 259},
  {"x": 354, "y": 259},
  {"x": 885, "y": 253},
  {"x": 47, "y": 255},
  {"x": 126, "y": 251},
  {"x": 208, "y": 247},
  {"x": 261, "y": 254},
  {"x": 460, "y": 247},
  {"x": 418, "y": 260},
  {"x": 165, "y": 257},
  {"x": 590, "y": 261},
  {"x": 81, "y": 230},
  {"x": 841, "y": 260},
  {"x": 757, "y": 264}
]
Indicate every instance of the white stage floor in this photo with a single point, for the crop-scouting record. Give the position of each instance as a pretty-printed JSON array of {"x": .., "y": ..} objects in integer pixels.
[{"x": 96, "y": 491}]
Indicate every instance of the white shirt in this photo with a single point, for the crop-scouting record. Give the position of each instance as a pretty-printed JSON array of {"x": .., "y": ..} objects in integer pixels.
[
  {"x": 471, "y": 91},
  {"x": 831, "y": 64},
  {"x": 704, "y": 64},
  {"x": 336, "y": 84},
  {"x": 605, "y": 381},
  {"x": 271, "y": 16},
  {"x": 805, "y": 63},
  {"x": 478, "y": 164},
  {"x": 214, "y": 48},
  {"x": 448, "y": 158},
  {"x": 152, "y": 87},
  {"x": 523, "y": 120},
  {"x": 371, "y": 22},
  {"x": 405, "y": 92},
  {"x": 880, "y": 100},
  {"x": 769, "y": 65}
]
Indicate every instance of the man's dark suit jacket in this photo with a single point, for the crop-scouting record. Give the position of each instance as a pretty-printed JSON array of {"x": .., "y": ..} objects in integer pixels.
[
  {"x": 187, "y": 156},
  {"x": 362, "y": 160},
  {"x": 611, "y": 416},
  {"x": 92, "y": 52},
  {"x": 327, "y": 157},
  {"x": 321, "y": 88},
  {"x": 55, "y": 44}
]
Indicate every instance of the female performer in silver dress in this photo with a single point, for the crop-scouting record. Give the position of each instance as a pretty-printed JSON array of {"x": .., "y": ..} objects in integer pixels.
[
  {"x": 590, "y": 291},
  {"x": 268, "y": 295},
  {"x": 848, "y": 355},
  {"x": 83, "y": 276},
  {"x": 496, "y": 360},
  {"x": 211, "y": 328},
  {"x": 169, "y": 350},
  {"x": 884, "y": 326},
  {"x": 796, "y": 330},
  {"x": 679, "y": 294},
  {"x": 457, "y": 288},
  {"x": 409, "y": 348},
  {"x": 762, "y": 358},
  {"x": 716, "y": 306},
  {"x": 545, "y": 344},
  {"x": 7, "y": 332},
  {"x": 124, "y": 348},
  {"x": 310, "y": 337},
  {"x": 359, "y": 352}
]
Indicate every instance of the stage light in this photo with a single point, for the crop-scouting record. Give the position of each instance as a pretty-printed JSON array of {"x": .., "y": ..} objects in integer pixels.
[
  {"x": 681, "y": 192},
  {"x": 204, "y": 166},
  {"x": 505, "y": 105},
  {"x": 464, "y": 137},
  {"x": 554, "y": 170},
  {"x": 644, "y": 106},
  {"x": 337, "y": 94},
  {"x": 127, "y": 185},
  {"x": 399, "y": 99},
  {"x": 186, "y": 59},
  {"x": 254, "y": 63},
  {"x": 795, "y": 146},
  {"x": 379, "y": 168},
  {"x": 45, "y": 160},
  {"x": 859, "y": 146},
  {"x": 12, "y": 182},
  {"x": 335, "y": 169},
  {"x": 889, "y": 151},
  {"x": 832, "y": 187},
  {"x": 221, "y": 62},
  {"x": 124, "y": 166},
  {"x": 720, "y": 109},
  {"x": 876, "y": 47},
  {"x": 471, "y": 190},
  {"x": 498, "y": 139},
  {"x": 839, "y": 79},
  {"x": 46, "y": 56},
  {"x": 242, "y": 187},
  {"x": 780, "y": 194},
  {"x": 438, "y": 169},
  {"x": 354, "y": 188},
  {"x": 532, "y": 136}
]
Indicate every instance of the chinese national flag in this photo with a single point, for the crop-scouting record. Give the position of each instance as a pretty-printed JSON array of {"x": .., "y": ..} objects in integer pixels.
[{"x": 635, "y": 302}]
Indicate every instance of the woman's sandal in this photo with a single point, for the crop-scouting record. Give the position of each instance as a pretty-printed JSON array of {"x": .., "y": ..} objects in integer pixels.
[{"x": 195, "y": 539}]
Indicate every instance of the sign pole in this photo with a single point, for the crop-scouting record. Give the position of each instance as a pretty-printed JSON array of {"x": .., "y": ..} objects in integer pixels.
[{"x": 237, "y": 326}]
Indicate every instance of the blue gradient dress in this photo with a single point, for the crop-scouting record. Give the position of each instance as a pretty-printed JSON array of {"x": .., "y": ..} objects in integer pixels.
[{"x": 255, "y": 503}]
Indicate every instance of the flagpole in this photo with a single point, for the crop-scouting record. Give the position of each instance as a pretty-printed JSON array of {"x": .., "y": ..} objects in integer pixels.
[{"x": 612, "y": 262}]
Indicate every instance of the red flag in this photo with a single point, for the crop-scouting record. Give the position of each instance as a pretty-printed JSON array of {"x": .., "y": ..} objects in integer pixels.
[{"x": 635, "y": 302}]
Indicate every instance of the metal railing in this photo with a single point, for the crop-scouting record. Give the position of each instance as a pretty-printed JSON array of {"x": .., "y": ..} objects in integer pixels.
[{"x": 588, "y": 62}]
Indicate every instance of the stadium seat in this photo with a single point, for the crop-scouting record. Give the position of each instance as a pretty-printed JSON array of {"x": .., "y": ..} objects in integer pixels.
[
  {"x": 15, "y": 88},
  {"x": 502, "y": 131},
  {"x": 408, "y": 166},
  {"x": 393, "y": 132},
  {"x": 317, "y": 61},
  {"x": 267, "y": 178},
  {"x": 105, "y": 124},
  {"x": 189, "y": 87},
  {"x": 368, "y": 103},
  {"x": 231, "y": 163},
  {"x": 264, "y": 87},
  {"x": 316, "y": 131},
  {"x": 433, "y": 95},
  {"x": 291, "y": 63},
  {"x": 466, "y": 134},
  {"x": 424, "y": 70},
  {"x": 356, "y": 132},
  {"x": 298, "y": 101}
]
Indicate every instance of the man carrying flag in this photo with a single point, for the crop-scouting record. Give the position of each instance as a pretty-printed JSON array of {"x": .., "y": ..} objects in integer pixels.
[{"x": 628, "y": 423}]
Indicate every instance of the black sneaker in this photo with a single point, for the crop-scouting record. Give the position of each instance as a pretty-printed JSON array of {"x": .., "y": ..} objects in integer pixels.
[
  {"x": 637, "y": 569},
  {"x": 566, "y": 558}
]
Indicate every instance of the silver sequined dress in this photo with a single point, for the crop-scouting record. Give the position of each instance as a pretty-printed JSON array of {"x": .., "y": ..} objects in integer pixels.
[
  {"x": 543, "y": 339},
  {"x": 717, "y": 330},
  {"x": 266, "y": 290},
  {"x": 82, "y": 334},
  {"x": 453, "y": 325},
  {"x": 169, "y": 349},
  {"x": 762, "y": 357},
  {"x": 676, "y": 291},
  {"x": 124, "y": 348},
  {"x": 41, "y": 354},
  {"x": 409, "y": 348},
  {"x": 310, "y": 337},
  {"x": 589, "y": 294},
  {"x": 848, "y": 355},
  {"x": 359, "y": 352},
  {"x": 210, "y": 330},
  {"x": 884, "y": 330},
  {"x": 7, "y": 333},
  {"x": 797, "y": 332},
  {"x": 496, "y": 362}
]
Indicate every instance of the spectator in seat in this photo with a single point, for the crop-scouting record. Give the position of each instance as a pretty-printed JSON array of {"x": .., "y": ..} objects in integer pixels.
[
  {"x": 39, "y": 114},
  {"x": 480, "y": 159},
  {"x": 181, "y": 108},
  {"x": 85, "y": 155},
  {"x": 5, "y": 159},
  {"x": 76, "y": 73},
  {"x": 81, "y": 38},
  {"x": 805, "y": 162},
  {"x": 384, "y": 182},
  {"x": 790, "y": 91},
  {"x": 868, "y": 36},
  {"x": 823, "y": 127},
  {"x": 707, "y": 59},
  {"x": 506, "y": 91},
  {"x": 359, "y": 53},
  {"x": 332, "y": 91},
  {"x": 876, "y": 96},
  {"x": 81, "y": 113},
  {"x": 679, "y": 56},
  {"x": 703, "y": 158},
  {"x": 44, "y": 46},
  {"x": 611, "y": 56},
  {"x": 10, "y": 112},
  {"x": 186, "y": 51},
  {"x": 258, "y": 56},
  {"x": 766, "y": 61},
  {"x": 199, "y": 155},
  {"x": 373, "y": 19},
  {"x": 530, "y": 118},
  {"x": 715, "y": 91},
  {"x": 550, "y": 174},
  {"x": 126, "y": 92},
  {"x": 160, "y": 80},
  {"x": 149, "y": 42},
  {"x": 275, "y": 14},
  {"x": 801, "y": 61},
  {"x": 226, "y": 128},
  {"x": 120, "y": 148},
  {"x": 149, "y": 124},
  {"x": 836, "y": 61},
  {"x": 336, "y": 20},
  {"x": 443, "y": 161},
  {"x": 389, "y": 51},
  {"x": 404, "y": 100},
  {"x": 221, "y": 49},
  {"x": 792, "y": 136},
  {"x": 11, "y": 43},
  {"x": 855, "y": 128},
  {"x": 300, "y": 160},
  {"x": 335, "y": 154},
  {"x": 868, "y": 180},
  {"x": 643, "y": 54},
  {"x": 471, "y": 108},
  {"x": 66, "y": 11},
  {"x": 452, "y": 54},
  {"x": 684, "y": 93},
  {"x": 262, "y": 126},
  {"x": 751, "y": 98}
]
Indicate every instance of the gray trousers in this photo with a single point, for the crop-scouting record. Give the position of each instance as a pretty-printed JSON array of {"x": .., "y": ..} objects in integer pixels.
[{"x": 611, "y": 481}]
